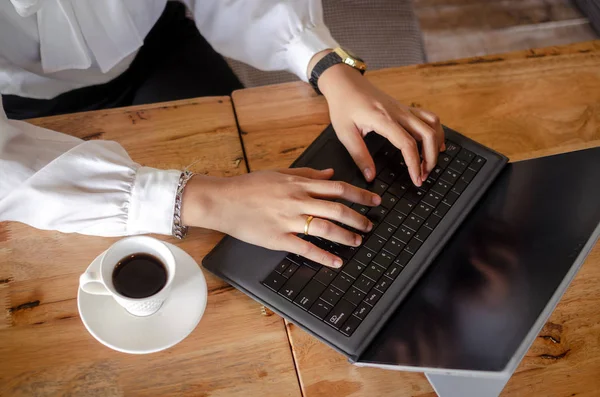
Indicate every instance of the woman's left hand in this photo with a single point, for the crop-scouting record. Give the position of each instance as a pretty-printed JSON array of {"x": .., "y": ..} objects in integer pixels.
[{"x": 357, "y": 107}]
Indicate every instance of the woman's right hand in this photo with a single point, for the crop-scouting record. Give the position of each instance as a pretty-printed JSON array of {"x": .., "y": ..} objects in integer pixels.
[{"x": 269, "y": 208}]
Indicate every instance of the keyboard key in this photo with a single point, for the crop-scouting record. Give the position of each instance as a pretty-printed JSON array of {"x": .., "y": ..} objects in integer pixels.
[
  {"x": 374, "y": 243},
  {"x": 423, "y": 233},
  {"x": 350, "y": 325},
  {"x": 300, "y": 260},
  {"x": 340, "y": 314},
  {"x": 413, "y": 222},
  {"x": 403, "y": 258},
  {"x": 383, "y": 284},
  {"x": 388, "y": 201},
  {"x": 364, "y": 256},
  {"x": 440, "y": 187},
  {"x": 294, "y": 285},
  {"x": 342, "y": 282},
  {"x": 394, "y": 218},
  {"x": 309, "y": 294},
  {"x": 459, "y": 187},
  {"x": 432, "y": 198},
  {"x": 436, "y": 173},
  {"x": 477, "y": 163},
  {"x": 468, "y": 175},
  {"x": 320, "y": 309},
  {"x": 450, "y": 198},
  {"x": 374, "y": 272},
  {"x": 345, "y": 251},
  {"x": 466, "y": 155},
  {"x": 394, "y": 246},
  {"x": 373, "y": 297},
  {"x": 458, "y": 165},
  {"x": 423, "y": 211},
  {"x": 450, "y": 176},
  {"x": 364, "y": 284},
  {"x": 399, "y": 187},
  {"x": 385, "y": 231},
  {"x": 404, "y": 206},
  {"x": 441, "y": 210},
  {"x": 282, "y": 266},
  {"x": 275, "y": 281},
  {"x": 403, "y": 234},
  {"x": 443, "y": 160},
  {"x": 290, "y": 270},
  {"x": 361, "y": 209},
  {"x": 325, "y": 276},
  {"x": 398, "y": 160},
  {"x": 387, "y": 175},
  {"x": 413, "y": 194},
  {"x": 427, "y": 184},
  {"x": 384, "y": 259},
  {"x": 452, "y": 148},
  {"x": 332, "y": 295},
  {"x": 376, "y": 214},
  {"x": 393, "y": 271},
  {"x": 377, "y": 187},
  {"x": 354, "y": 268},
  {"x": 432, "y": 221},
  {"x": 413, "y": 245},
  {"x": 354, "y": 296},
  {"x": 362, "y": 310}
]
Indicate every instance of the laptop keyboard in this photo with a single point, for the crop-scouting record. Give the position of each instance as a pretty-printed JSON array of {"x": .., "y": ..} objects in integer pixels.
[{"x": 342, "y": 298}]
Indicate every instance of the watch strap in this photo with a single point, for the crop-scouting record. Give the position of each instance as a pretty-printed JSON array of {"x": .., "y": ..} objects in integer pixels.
[{"x": 324, "y": 63}]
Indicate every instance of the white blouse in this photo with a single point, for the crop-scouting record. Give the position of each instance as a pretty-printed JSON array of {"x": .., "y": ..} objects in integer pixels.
[{"x": 54, "y": 181}]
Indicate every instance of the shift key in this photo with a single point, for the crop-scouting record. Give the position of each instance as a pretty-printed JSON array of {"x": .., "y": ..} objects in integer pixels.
[
  {"x": 294, "y": 285},
  {"x": 340, "y": 313},
  {"x": 309, "y": 294}
]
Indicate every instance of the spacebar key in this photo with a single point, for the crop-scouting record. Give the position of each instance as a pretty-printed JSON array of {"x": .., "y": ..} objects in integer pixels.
[
  {"x": 340, "y": 314},
  {"x": 294, "y": 285}
]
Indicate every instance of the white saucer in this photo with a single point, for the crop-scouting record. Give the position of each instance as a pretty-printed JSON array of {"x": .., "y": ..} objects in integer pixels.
[{"x": 114, "y": 327}]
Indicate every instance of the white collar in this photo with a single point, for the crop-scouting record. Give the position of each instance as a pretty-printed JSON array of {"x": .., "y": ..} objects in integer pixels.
[{"x": 74, "y": 33}]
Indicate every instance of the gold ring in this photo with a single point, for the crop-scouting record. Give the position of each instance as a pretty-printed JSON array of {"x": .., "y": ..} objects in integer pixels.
[{"x": 307, "y": 224}]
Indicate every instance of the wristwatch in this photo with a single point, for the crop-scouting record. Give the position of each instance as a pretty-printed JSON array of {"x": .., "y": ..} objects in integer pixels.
[{"x": 338, "y": 55}]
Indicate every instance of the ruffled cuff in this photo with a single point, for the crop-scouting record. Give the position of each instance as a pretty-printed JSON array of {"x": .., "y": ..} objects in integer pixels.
[
  {"x": 153, "y": 201},
  {"x": 305, "y": 45}
]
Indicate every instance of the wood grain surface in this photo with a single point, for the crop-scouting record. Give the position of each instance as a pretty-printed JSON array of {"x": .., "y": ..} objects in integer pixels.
[
  {"x": 524, "y": 104},
  {"x": 45, "y": 350}
]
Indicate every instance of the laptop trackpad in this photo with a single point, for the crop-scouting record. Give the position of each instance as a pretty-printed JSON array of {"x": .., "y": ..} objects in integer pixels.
[{"x": 332, "y": 155}]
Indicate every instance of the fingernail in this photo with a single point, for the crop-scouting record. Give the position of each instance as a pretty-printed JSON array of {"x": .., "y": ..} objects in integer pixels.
[
  {"x": 337, "y": 263},
  {"x": 419, "y": 181},
  {"x": 443, "y": 148},
  {"x": 368, "y": 174},
  {"x": 376, "y": 200},
  {"x": 369, "y": 227},
  {"x": 357, "y": 240}
]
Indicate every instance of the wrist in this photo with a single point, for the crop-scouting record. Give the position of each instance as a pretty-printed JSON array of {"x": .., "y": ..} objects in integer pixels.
[
  {"x": 199, "y": 206},
  {"x": 336, "y": 77}
]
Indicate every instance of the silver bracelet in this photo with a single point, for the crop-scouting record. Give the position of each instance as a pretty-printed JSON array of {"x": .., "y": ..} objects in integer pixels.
[{"x": 180, "y": 231}]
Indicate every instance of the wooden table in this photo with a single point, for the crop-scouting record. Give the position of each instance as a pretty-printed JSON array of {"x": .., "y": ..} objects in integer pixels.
[
  {"x": 44, "y": 347},
  {"x": 523, "y": 104}
]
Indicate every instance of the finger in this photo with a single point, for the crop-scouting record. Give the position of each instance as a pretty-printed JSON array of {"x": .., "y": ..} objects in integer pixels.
[
  {"x": 323, "y": 228},
  {"x": 352, "y": 139},
  {"x": 343, "y": 190},
  {"x": 394, "y": 132},
  {"x": 308, "y": 172},
  {"x": 338, "y": 212},
  {"x": 434, "y": 122},
  {"x": 424, "y": 133},
  {"x": 310, "y": 251}
]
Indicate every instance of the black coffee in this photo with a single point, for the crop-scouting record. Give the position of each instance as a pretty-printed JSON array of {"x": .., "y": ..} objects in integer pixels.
[{"x": 139, "y": 276}]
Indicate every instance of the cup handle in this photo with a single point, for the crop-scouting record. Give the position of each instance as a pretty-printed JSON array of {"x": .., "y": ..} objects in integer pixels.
[{"x": 91, "y": 283}]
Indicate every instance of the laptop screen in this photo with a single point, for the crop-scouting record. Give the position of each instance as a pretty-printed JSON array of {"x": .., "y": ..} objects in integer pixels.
[{"x": 476, "y": 304}]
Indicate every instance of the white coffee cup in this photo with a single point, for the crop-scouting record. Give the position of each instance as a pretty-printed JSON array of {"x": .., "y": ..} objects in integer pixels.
[{"x": 100, "y": 282}]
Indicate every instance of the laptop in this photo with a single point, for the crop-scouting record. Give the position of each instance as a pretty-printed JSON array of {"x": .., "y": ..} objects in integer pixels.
[{"x": 481, "y": 251}]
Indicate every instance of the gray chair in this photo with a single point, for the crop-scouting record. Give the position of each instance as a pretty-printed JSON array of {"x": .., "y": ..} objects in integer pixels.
[
  {"x": 591, "y": 9},
  {"x": 385, "y": 33}
]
